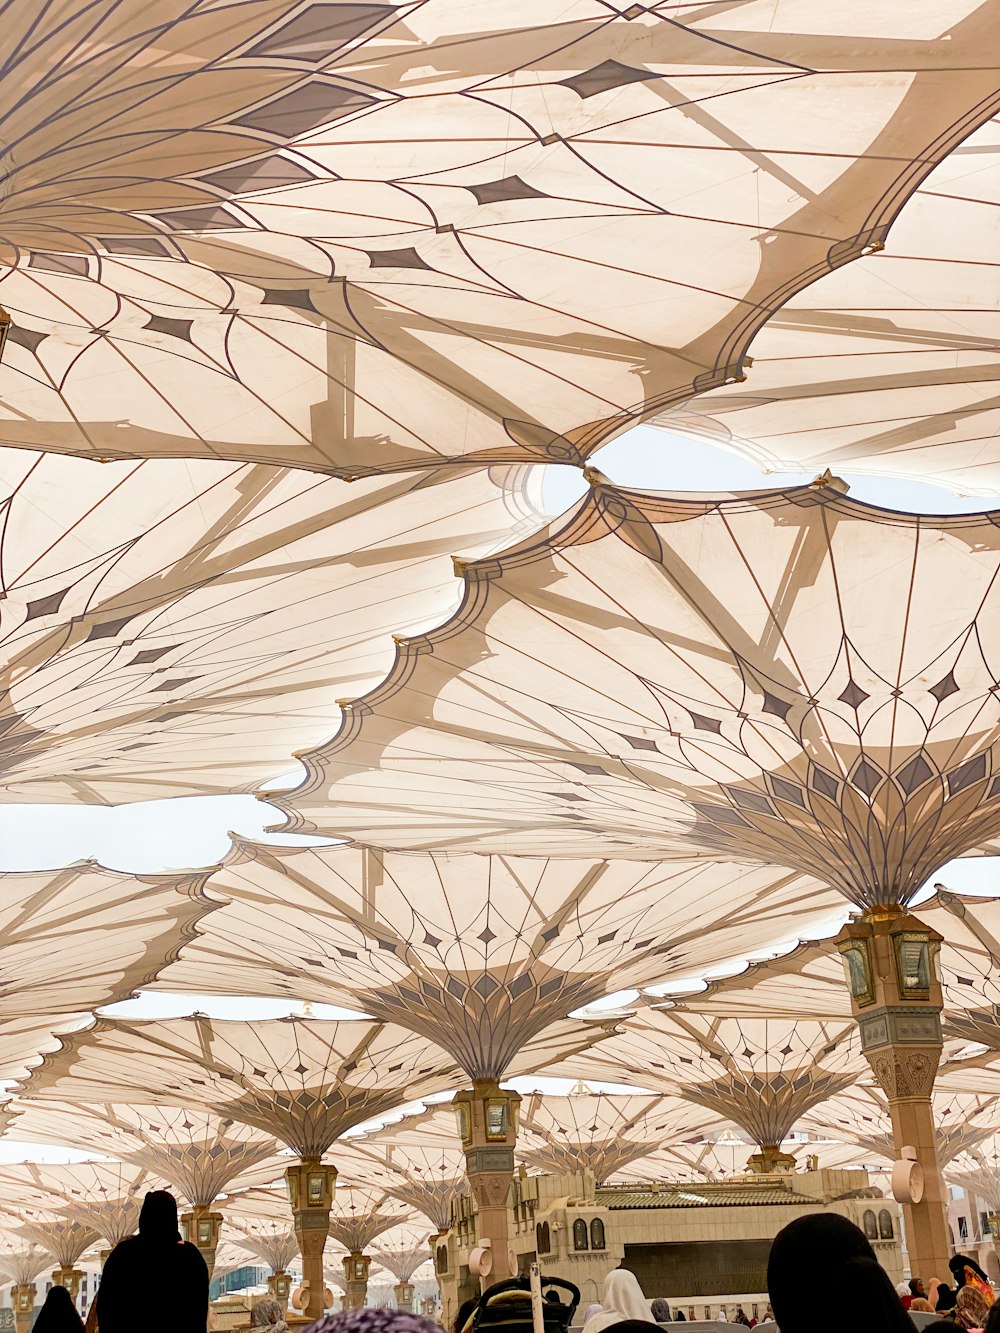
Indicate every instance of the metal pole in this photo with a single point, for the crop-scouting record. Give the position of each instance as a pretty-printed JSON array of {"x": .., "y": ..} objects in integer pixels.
[{"x": 537, "y": 1317}]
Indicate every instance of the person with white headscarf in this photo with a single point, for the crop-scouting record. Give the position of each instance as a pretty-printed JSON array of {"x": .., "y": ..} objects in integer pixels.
[{"x": 621, "y": 1299}]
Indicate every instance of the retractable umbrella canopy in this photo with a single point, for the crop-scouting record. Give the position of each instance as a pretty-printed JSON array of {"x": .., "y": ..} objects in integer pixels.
[
  {"x": 484, "y": 955},
  {"x": 374, "y": 236},
  {"x": 72, "y": 940},
  {"x": 888, "y": 366},
  {"x": 182, "y": 628},
  {"x": 789, "y": 677}
]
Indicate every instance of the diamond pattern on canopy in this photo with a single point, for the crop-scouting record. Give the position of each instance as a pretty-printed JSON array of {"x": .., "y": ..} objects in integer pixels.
[
  {"x": 370, "y": 236},
  {"x": 480, "y": 954},
  {"x": 75, "y": 939},
  {"x": 193, "y": 1151},
  {"x": 23, "y": 1263},
  {"x": 809, "y": 980},
  {"x": 403, "y": 1258},
  {"x": 181, "y": 628},
  {"x": 861, "y": 1116},
  {"x": 603, "y": 1132},
  {"x": 890, "y": 365},
  {"x": 64, "y": 1240},
  {"x": 763, "y": 1074},
  {"x": 304, "y": 1081},
  {"x": 361, "y": 1214},
  {"x": 419, "y": 1161},
  {"x": 277, "y": 1246},
  {"x": 353, "y": 1203},
  {"x": 789, "y": 677},
  {"x": 102, "y": 1196}
]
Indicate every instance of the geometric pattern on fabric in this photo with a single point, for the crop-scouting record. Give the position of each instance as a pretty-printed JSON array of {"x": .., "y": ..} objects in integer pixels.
[
  {"x": 196, "y": 1153},
  {"x": 72, "y": 940},
  {"x": 761, "y": 1074},
  {"x": 482, "y": 955},
  {"x": 603, "y": 1132},
  {"x": 334, "y": 236},
  {"x": 888, "y": 366},
  {"x": 303, "y": 1080},
  {"x": 176, "y": 628},
  {"x": 789, "y": 677}
]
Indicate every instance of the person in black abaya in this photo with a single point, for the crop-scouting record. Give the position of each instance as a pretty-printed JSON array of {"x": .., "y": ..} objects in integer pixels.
[
  {"x": 154, "y": 1281},
  {"x": 58, "y": 1314},
  {"x": 823, "y": 1276}
]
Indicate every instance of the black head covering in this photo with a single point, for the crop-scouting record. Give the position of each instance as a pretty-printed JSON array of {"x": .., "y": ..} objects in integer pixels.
[
  {"x": 158, "y": 1218},
  {"x": 946, "y": 1297},
  {"x": 958, "y": 1264},
  {"x": 58, "y": 1314},
  {"x": 826, "y": 1252}
]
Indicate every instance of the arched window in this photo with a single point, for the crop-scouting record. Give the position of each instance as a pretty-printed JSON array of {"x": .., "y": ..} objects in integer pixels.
[
  {"x": 871, "y": 1226},
  {"x": 885, "y": 1228},
  {"x": 597, "y": 1234},
  {"x": 441, "y": 1259},
  {"x": 580, "y": 1240},
  {"x": 543, "y": 1243}
]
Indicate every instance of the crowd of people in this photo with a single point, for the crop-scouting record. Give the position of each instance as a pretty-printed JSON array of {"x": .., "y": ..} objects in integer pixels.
[{"x": 855, "y": 1290}]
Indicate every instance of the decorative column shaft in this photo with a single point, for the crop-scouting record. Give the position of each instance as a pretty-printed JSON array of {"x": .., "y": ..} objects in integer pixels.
[
  {"x": 70, "y": 1278},
  {"x": 279, "y": 1285},
  {"x": 356, "y": 1269},
  {"x": 403, "y": 1291},
  {"x": 310, "y": 1192},
  {"x": 891, "y": 963},
  {"x": 487, "y": 1119},
  {"x": 202, "y": 1228},
  {"x": 770, "y": 1160},
  {"x": 22, "y": 1297}
]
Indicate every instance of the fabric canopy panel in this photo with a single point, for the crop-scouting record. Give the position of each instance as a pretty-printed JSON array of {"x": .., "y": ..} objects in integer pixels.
[
  {"x": 70, "y": 1187},
  {"x": 370, "y": 1206},
  {"x": 22, "y": 1263},
  {"x": 362, "y": 1213},
  {"x": 762, "y": 1074},
  {"x": 601, "y": 1132},
  {"x": 178, "y": 629},
  {"x": 276, "y": 1245},
  {"x": 480, "y": 954},
  {"x": 65, "y": 1241},
  {"x": 418, "y": 1161},
  {"x": 962, "y": 1120},
  {"x": 335, "y": 236},
  {"x": 75, "y": 939},
  {"x": 789, "y": 676},
  {"x": 194, "y": 1152},
  {"x": 809, "y": 980},
  {"x": 304, "y": 1081},
  {"x": 401, "y": 1259},
  {"x": 889, "y": 365}
]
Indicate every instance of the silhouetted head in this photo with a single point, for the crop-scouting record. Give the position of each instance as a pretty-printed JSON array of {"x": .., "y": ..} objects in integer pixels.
[
  {"x": 824, "y": 1251},
  {"x": 58, "y": 1314},
  {"x": 158, "y": 1219}
]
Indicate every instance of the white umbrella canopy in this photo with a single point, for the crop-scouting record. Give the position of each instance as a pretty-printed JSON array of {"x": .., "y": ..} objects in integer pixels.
[
  {"x": 361, "y": 239},
  {"x": 786, "y": 677},
  {"x": 181, "y": 628},
  {"x": 485, "y": 955},
  {"x": 888, "y": 366},
  {"x": 72, "y": 940}
]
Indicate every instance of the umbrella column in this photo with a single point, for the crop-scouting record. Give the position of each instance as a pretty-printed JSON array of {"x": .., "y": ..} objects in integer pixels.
[
  {"x": 202, "y": 1227},
  {"x": 356, "y": 1269},
  {"x": 310, "y": 1191},
  {"x": 890, "y": 960},
  {"x": 487, "y": 1122},
  {"x": 22, "y": 1298}
]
